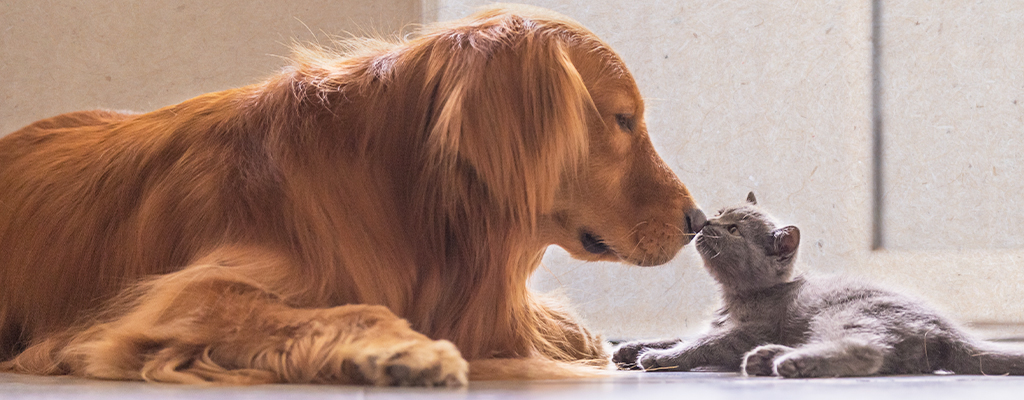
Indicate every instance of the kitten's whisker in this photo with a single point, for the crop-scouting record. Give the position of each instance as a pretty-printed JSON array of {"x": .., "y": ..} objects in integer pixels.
[
  {"x": 681, "y": 231},
  {"x": 667, "y": 367},
  {"x": 717, "y": 253},
  {"x": 676, "y": 228}
]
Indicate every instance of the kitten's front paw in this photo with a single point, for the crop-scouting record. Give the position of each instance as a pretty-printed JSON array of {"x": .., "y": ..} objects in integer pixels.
[
  {"x": 797, "y": 365},
  {"x": 660, "y": 360},
  {"x": 759, "y": 361},
  {"x": 626, "y": 355},
  {"x": 849, "y": 357}
]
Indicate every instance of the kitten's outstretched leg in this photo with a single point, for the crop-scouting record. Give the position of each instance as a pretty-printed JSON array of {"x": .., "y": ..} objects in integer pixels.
[
  {"x": 724, "y": 349},
  {"x": 843, "y": 357},
  {"x": 761, "y": 360},
  {"x": 626, "y": 354}
]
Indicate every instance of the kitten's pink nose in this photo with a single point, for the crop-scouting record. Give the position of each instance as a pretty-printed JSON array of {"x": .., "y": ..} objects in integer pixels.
[{"x": 695, "y": 221}]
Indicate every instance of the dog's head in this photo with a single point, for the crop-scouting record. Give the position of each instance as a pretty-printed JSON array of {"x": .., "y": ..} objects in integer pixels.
[
  {"x": 542, "y": 113},
  {"x": 626, "y": 203}
]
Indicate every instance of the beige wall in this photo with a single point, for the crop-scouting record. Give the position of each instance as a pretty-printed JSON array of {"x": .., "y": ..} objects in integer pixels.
[
  {"x": 72, "y": 55},
  {"x": 768, "y": 96},
  {"x": 954, "y": 103}
]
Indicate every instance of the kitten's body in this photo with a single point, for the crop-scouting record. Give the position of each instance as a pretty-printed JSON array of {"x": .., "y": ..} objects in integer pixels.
[{"x": 773, "y": 324}]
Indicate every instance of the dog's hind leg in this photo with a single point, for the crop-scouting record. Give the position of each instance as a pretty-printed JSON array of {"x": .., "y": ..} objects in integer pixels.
[{"x": 214, "y": 323}]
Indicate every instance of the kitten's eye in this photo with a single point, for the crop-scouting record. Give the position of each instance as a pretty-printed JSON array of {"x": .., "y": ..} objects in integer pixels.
[
  {"x": 733, "y": 229},
  {"x": 625, "y": 122}
]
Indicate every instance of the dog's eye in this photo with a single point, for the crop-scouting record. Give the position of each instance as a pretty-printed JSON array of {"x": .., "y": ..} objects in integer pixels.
[
  {"x": 733, "y": 229},
  {"x": 625, "y": 122}
]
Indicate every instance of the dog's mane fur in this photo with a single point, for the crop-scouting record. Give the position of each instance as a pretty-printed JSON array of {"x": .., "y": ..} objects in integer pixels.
[{"x": 474, "y": 205}]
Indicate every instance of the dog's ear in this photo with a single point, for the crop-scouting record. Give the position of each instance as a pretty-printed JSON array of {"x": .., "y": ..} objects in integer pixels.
[{"x": 510, "y": 107}]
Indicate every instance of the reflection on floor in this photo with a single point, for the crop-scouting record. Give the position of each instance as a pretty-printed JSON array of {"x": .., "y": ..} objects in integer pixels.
[{"x": 621, "y": 385}]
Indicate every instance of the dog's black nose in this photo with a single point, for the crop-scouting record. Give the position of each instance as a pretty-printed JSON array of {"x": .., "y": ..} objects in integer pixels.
[{"x": 695, "y": 221}]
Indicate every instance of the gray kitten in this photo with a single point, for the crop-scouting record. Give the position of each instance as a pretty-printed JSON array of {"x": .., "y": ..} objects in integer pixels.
[{"x": 775, "y": 324}]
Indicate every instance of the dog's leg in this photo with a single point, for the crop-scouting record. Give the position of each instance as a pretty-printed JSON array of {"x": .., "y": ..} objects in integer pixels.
[
  {"x": 213, "y": 323},
  {"x": 564, "y": 338},
  {"x": 564, "y": 348}
]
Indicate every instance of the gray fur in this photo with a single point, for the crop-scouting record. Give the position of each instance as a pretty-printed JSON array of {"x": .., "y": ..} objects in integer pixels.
[{"x": 775, "y": 324}]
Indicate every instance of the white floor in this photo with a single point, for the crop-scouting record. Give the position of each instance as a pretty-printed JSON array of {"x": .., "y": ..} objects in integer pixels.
[{"x": 624, "y": 385}]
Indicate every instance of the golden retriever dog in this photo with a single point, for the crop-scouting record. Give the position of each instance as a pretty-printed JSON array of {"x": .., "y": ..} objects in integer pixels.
[{"x": 368, "y": 216}]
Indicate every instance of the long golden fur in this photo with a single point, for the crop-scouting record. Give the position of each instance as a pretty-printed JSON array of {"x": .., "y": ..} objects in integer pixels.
[{"x": 366, "y": 217}]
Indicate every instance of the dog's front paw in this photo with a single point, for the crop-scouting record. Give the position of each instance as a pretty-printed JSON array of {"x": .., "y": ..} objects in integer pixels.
[
  {"x": 760, "y": 360},
  {"x": 420, "y": 363}
]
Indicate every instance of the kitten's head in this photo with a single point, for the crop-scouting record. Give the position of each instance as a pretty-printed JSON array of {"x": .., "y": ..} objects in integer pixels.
[{"x": 744, "y": 250}]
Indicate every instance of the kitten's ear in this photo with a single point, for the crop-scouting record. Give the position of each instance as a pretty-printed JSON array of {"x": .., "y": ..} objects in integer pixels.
[
  {"x": 786, "y": 240},
  {"x": 751, "y": 199}
]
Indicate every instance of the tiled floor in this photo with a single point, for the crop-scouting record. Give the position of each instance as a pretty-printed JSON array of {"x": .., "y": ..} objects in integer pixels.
[{"x": 622, "y": 385}]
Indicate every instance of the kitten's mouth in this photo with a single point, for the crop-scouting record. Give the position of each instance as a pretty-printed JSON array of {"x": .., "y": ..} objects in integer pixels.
[
  {"x": 702, "y": 245},
  {"x": 593, "y": 243}
]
